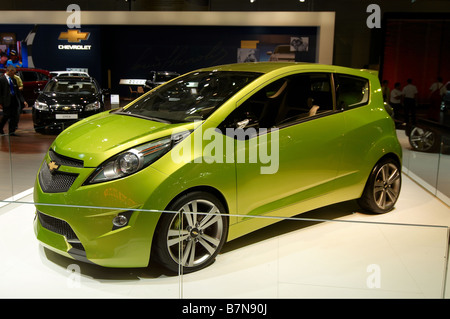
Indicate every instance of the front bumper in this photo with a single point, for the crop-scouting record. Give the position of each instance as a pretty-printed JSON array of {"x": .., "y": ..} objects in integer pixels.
[
  {"x": 77, "y": 221},
  {"x": 58, "y": 120}
]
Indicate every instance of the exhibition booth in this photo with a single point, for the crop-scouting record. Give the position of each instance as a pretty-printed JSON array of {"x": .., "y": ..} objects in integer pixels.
[{"x": 337, "y": 251}]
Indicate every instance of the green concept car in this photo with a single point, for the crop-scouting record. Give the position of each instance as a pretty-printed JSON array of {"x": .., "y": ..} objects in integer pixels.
[{"x": 195, "y": 162}]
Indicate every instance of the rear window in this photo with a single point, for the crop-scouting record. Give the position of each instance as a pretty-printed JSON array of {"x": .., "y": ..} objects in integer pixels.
[{"x": 352, "y": 91}]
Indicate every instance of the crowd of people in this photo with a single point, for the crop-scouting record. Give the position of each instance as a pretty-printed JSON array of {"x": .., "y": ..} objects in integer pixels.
[
  {"x": 10, "y": 59},
  {"x": 404, "y": 99}
]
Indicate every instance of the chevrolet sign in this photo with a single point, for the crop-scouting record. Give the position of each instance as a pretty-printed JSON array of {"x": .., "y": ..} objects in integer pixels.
[
  {"x": 74, "y": 47},
  {"x": 74, "y": 36}
]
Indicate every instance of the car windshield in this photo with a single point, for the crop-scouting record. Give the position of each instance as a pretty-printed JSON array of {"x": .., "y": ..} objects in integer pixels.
[
  {"x": 192, "y": 97},
  {"x": 70, "y": 86}
]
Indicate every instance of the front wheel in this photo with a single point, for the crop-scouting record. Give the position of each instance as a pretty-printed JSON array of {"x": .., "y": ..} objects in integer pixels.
[
  {"x": 191, "y": 238},
  {"x": 382, "y": 188}
]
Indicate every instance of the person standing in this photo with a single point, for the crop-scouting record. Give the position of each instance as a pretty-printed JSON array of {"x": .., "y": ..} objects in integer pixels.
[
  {"x": 409, "y": 102},
  {"x": 14, "y": 60},
  {"x": 9, "y": 100}
]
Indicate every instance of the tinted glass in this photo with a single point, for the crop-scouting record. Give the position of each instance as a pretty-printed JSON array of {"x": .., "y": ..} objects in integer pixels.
[
  {"x": 352, "y": 91},
  {"x": 193, "y": 97},
  {"x": 29, "y": 76},
  {"x": 70, "y": 86},
  {"x": 287, "y": 100}
]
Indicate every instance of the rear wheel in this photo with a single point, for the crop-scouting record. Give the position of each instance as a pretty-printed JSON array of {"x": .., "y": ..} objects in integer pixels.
[
  {"x": 192, "y": 237},
  {"x": 382, "y": 188}
]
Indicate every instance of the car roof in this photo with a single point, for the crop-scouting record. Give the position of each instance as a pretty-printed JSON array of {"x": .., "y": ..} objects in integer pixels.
[
  {"x": 267, "y": 67},
  {"x": 73, "y": 77},
  {"x": 68, "y": 72}
]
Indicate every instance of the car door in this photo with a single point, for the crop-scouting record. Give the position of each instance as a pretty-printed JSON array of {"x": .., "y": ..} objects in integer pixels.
[{"x": 291, "y": 136}]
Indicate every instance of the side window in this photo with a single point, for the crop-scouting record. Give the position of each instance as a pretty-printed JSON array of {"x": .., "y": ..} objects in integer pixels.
[
  {"x": 29, "y": 76},
  {"x": 351, "y": 91},
  {"x": 260, "y": 110},
  {"x": 42, "y": 77},
  {"x": 287, "y": 100},
  {"x": 307, "y": 95}
]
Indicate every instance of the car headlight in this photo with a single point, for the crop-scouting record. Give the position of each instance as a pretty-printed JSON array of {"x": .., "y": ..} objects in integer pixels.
[
  {"x": 93, "y": 106},
  {"x": 40, "y": 106},
  {"x": 131, "y": 161}
]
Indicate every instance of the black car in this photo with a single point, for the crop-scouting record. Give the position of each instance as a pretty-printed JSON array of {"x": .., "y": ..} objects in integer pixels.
[{"x": 66, "y": 100}]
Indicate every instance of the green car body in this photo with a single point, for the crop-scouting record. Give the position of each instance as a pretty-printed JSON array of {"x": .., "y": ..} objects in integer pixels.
[{"x": 317, "y": 160}]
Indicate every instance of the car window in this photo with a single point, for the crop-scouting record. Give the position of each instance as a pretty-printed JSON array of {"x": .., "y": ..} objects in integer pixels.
[
  {"x": 30, "y": 76},
  {"x": 285, "y": 101},
  {"x": 194, "y": 96},
  {"x": 306, "y": 95},
  {"x": 70, "y": 86},
  {"x": 351, "y": 91},
  {"x": 43, "y": 77}
]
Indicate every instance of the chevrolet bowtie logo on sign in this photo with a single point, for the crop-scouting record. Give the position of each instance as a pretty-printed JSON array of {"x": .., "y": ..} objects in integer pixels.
[
  {"x": 74, "y": 36},
  {"x": 53, "y": 167}
]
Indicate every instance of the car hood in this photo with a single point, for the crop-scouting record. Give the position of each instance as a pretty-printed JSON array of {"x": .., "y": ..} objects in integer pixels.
[
  {"x": 99, "y": 137},
  {"x": 53, "y": 99}
]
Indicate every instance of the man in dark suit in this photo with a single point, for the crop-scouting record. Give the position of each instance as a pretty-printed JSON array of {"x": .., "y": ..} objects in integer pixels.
[{"x": 9, "y": 100}]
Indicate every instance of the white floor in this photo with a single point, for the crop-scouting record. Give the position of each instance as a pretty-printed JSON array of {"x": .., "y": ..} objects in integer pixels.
[{"x": 339, "y": 253}]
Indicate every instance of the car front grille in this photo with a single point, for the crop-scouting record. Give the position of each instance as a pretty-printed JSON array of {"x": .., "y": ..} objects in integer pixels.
[
  {"x": 56, "y": 182},
  {"x": 60, "y": 227},
  {"x": 68, "y": 108}
]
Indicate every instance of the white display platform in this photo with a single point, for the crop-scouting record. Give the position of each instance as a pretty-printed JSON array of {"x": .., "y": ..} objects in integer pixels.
[{"x": 301, "y": 259}]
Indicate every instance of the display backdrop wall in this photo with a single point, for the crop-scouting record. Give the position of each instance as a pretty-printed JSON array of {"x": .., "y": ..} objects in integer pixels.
[{"x": 131, "y": 44}]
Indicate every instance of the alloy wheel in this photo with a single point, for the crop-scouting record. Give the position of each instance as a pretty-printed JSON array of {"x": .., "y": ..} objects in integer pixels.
[
  {"x": 421, "y": 139},
  {"x": 195, "y": 233},
  {"x": 387, "y": 186}
]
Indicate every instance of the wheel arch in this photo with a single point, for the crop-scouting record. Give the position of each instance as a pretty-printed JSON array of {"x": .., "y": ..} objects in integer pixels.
[
  {"x": 203, "y": 188},
  {"x": 387, "y": 156}
]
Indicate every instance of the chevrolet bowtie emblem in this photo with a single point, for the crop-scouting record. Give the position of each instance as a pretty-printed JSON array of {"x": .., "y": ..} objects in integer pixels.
[
  {"x": 53, "y": 167},
  {"x": 74, "y": 36}
]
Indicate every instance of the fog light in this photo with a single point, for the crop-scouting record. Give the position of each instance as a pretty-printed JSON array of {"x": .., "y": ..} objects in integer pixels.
[{"x": 120, "y": 221}]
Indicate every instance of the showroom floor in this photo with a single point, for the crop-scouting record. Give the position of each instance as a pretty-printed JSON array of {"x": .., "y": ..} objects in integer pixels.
[
  {"x": 339, "y": 253},
  {"x": 333, "y": 252}
]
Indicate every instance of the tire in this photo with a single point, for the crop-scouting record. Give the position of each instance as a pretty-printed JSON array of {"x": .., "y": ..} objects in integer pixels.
[
  {"x": 382, "y": 188},
  {"x": 193, "y": 237}
]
